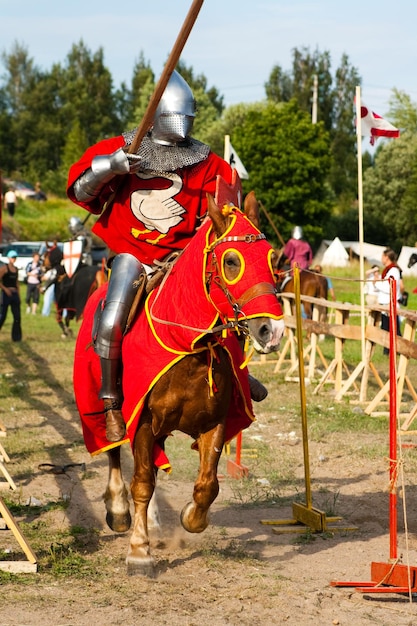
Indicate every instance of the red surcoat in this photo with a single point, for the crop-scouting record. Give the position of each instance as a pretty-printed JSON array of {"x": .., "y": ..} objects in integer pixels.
[
  {"x": 299, "y": 252},
  {"x": 151, "y": 215}
]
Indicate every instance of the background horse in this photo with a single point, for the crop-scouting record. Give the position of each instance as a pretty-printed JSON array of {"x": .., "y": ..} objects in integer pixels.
[
  {"x": 221, "y": 287},
  {"x": 312, "y": 284},
  {"x": 71, "y": 294}
]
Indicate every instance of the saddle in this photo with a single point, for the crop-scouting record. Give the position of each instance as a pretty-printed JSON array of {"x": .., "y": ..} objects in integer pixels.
[{"x": 149, "y": 283}]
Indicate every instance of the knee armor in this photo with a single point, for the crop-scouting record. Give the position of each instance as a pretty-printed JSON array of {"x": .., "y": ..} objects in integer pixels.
[{"x": 125, "y": 272}]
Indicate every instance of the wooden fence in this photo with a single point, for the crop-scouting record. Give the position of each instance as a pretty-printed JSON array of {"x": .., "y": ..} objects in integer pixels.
[{"x": 336, "y": 372}]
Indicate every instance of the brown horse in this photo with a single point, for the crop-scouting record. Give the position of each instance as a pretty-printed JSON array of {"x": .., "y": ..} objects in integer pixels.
[
  {"x": 312, "y": 284},
  {"x": 221, "y": 287}
]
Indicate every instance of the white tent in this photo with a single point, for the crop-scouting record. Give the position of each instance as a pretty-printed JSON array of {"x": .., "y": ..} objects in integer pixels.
[
  {"x": 406, "y": 252},
  {"x": 371, "y": 252},
  {"x": 335, "y": 255}
]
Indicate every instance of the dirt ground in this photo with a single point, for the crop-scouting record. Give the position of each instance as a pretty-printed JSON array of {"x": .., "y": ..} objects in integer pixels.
[{"x": 239, "y": 571}]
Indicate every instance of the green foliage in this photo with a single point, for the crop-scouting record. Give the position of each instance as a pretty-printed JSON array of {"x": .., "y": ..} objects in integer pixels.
[
  {"x": 288, "y": 160},
  {"x": 390, "y": 192},
  {"x": 41, "y": 221}
]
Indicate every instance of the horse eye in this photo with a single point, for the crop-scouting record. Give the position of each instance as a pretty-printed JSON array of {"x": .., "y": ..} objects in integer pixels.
[
  {"x": 231, "y": 262},
  {"x": 233, "y": 265}
]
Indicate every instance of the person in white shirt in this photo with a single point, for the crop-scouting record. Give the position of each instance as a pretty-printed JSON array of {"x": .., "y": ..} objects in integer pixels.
[
  {"x": 371, "y": 291},
  {"x": 10, "y": 201},
  {"x": 391, "y": 270}
]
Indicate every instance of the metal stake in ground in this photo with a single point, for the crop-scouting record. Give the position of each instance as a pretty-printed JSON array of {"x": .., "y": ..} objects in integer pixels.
[{"x": 305, "y": 516}]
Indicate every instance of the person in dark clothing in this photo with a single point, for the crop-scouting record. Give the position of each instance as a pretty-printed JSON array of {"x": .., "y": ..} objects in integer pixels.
[{"x": 9, "y": 285}]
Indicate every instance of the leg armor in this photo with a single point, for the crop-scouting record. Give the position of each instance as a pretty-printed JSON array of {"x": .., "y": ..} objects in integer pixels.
[{"x": 125, "y": 272}]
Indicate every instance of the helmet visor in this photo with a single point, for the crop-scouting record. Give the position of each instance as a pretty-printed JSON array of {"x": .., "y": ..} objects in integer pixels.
[{"x": 171, "y": 128}]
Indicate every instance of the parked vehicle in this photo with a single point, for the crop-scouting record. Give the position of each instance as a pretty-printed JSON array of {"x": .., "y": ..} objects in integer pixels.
[
  {"x": 23, "y": 189},
  {"x": 25, "y": 251}
]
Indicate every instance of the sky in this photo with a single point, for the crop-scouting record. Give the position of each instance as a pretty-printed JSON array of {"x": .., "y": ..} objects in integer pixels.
[{"x": 234, "y": 43}]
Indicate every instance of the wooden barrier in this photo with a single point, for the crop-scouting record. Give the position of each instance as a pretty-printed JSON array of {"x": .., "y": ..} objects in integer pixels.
[{"x": 341, "y": 330}]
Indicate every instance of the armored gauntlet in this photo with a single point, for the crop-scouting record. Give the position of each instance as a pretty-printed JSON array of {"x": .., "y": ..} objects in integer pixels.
[{"x": 103, "y": 168}]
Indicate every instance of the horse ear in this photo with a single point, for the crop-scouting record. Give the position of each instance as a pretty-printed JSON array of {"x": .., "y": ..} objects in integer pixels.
[
  {"x": 216, "y": 216},
  {"x": 251, "y": 209}
]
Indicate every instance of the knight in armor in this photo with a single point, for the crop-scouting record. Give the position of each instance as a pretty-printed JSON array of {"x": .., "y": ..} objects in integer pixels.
[
  {"x": 79, "y": 233},
  {"x": 153, "y": 201},
  {"x": 297, "y": 250}
]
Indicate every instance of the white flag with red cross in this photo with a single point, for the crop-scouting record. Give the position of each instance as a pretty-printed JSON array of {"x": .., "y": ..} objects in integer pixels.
[{"x": 72, "y": 255}]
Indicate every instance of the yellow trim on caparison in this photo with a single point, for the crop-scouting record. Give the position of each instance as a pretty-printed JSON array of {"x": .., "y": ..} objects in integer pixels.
[{"x": 242, "y": 266}]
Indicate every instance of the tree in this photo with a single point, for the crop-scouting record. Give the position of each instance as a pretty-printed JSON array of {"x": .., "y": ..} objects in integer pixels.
[
  {"x": 133, "y": 106},
  {"x": 343, "y": 172},
  {"x": 335, "y": 109},
  {"x": 403, "y": 112},
  {"x": 390, "y": 192},
  {"x": 86, "y": 94},
  {"x": 20, "y": 79},
  {"x": 288, "y": 161}
]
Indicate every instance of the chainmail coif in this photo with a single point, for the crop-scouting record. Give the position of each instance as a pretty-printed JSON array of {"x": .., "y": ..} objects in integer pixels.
[{"x": 158, "y": 158}]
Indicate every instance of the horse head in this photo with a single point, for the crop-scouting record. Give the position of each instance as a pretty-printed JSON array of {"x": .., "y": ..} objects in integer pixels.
[{"x": 240, "y": 275}]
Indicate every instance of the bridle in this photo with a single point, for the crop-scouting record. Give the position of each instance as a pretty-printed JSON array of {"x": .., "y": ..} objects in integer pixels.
[{"x": 213, "y": 275}]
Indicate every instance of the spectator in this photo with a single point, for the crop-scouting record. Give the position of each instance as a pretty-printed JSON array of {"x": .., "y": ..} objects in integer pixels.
[
  {"x": 383, "y": 287},
  {"x": 33, "y": 273},
  {"x": 9, "y": 286},
  {"x": 370, "y": 289},
  {"x": 40, "y": 195},
  {"x": 298, "y": 251},
  {"x": 55, "y": 257},
  {"x": 10, "y": 201},
  {"x": 48, "y": 293}
]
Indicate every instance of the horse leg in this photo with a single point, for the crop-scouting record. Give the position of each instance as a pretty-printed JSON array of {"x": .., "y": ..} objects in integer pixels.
[
  {"x": 115, "y": 497},
  {"x": 139, "y": 559},
  {"x": 194, "y": 516}
]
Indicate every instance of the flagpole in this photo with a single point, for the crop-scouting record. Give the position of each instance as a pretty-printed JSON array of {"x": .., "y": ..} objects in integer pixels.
[{"x": 360, "y": 217}]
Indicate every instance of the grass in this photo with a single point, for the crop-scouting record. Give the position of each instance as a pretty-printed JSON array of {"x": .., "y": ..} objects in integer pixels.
[{"x": 41, "y": 221}]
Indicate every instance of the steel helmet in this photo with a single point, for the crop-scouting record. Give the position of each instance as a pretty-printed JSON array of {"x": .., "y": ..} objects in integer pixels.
[
  {"x": 75, "y": 225},
  {"x": 297, "y": 232},
  {"x": 174, "y": 116}
]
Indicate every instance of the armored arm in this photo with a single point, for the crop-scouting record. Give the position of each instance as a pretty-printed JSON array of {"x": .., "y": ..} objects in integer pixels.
[{"x": 103, "y": 168}]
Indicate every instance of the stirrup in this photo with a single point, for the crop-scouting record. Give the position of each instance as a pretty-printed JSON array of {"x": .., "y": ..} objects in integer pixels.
[
  {"x": 115, "y": 424},
  {"x": 258, "y": 391}
]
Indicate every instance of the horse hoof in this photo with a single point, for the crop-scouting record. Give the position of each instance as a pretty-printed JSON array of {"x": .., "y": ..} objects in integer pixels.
[
  {"x": 119, "y": 523},
  {"x": 186, "y": 521},
  {"x": 258, "y": 391},
  {"x": 144, "y": 566}
]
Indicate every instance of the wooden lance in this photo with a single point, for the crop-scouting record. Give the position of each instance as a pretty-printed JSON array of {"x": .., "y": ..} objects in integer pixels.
[
  {"x": 276, "y": 231},
  {"x": 170, "y": 65}
]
